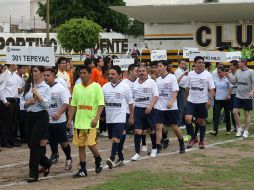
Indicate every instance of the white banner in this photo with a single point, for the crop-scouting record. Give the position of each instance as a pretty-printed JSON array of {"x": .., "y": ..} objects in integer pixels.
[
  {"x": 157, "y": 55},
  {"x": 187, "y": 51},
  {"x": 236, "y": 55},
  {"x": 123, "y": 63},
  {"x": 19, "y": 55},
  {"x": 209, "y": 56}
]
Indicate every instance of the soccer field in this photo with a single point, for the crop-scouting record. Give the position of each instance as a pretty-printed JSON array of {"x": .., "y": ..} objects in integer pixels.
[{"x": 226, "y": 163}]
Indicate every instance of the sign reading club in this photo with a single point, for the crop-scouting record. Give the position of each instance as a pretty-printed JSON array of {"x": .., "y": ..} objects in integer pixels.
[{"x": 214, "y": 35}]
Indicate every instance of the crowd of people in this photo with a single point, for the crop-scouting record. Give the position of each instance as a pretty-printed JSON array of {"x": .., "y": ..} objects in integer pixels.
[{"x": 59, "y": 105}]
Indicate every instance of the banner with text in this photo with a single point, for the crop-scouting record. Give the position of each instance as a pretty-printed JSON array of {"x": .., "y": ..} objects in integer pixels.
[
  {"x": 235, "y": 55},
  {"x": 123, "y": 63},
  {"x": 157, "y": 55},
  {"x": 19, "y": 55},
  {"x": 209, "y": 56},
  {"x": 187, "y": 51}
]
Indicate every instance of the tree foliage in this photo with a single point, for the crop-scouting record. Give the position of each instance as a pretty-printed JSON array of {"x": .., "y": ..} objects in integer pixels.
[
  {"x": 95, "y": 10},
  {"x": 78, "y": 34}
]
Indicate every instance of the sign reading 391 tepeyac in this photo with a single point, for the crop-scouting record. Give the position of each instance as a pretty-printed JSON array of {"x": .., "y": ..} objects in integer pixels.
[{"x": 18, "y": 55}]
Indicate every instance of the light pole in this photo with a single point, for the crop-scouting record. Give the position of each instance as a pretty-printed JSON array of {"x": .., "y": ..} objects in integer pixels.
[{"x": 47, "y": 23}]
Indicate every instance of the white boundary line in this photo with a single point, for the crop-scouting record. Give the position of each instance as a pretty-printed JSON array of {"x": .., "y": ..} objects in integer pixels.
[{"x": 126, "y": 162}]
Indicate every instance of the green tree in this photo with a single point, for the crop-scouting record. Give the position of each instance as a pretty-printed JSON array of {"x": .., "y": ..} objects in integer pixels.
[
  {"x": 95, "y": 10},
  {"x": 78, "y": 34}
]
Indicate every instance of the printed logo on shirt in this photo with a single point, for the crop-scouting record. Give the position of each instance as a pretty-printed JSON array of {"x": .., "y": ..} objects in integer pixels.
[
  {"x": 146, "y": 90},
  {"x": 142, "y": 99},
  {"x": 242, "y": 83},
  {"x": 118, "y": 95},
  {"x": 84, "y": 107},
  {"x": 118, "y": 105},
  {"x": 53, "y": 105}
]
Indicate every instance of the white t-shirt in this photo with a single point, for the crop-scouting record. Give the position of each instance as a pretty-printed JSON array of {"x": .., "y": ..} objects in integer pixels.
[
  {"x": 131, "y": 85},
  {"x": 178, "y": 73},
  {"x": 59, "y": 96},
  {"x": 20, "y": 83},
  {"x": 198, "y": 85},
  {"x": 166, "y": 87},
  {"x": 117, "y": 98},
  {"x": 144, "y": 92},
  {"x": 63, "y": 83},
  {"x": 64, "y": 75}
]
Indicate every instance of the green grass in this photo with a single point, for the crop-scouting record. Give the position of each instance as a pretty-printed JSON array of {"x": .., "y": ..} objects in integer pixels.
[
  {"x": 212, "y": 173},
  {"x": 214, "y": 176}
]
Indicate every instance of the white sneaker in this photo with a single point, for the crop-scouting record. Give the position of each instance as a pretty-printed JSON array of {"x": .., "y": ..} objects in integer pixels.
[
  {"x": 144, "y": 148},
  {"x": 136, "y": 157},
  {"x": 153, "y": 153},
  {"x": 104, "y": 134},
  {"x": 182, "y": 127},
  {"x": 245, "y": 134},
  {"x": 239, "y": 132}
]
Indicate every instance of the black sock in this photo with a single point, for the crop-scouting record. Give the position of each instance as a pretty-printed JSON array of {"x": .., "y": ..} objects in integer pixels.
[
  {"x": 181, "y": 141},
  {"x": 165, "y": 135},
  {"x": 137, "y": 140},
  {"x": 114, "y": 150},
  {"x": 98, "y": 159},
  {"x": 190, "y": 130},
  {"x": 83, "y": 165},
  {"x": 120, "y": 148},
  {"x": 153, "y": 139},
  {"x": 143, "y": 140},
  {"x": 197, "y": 127},
  {"x": 202, "y": 133},
  {"x": 159, "y": 147},
  {"x": 67, "y": 152}
]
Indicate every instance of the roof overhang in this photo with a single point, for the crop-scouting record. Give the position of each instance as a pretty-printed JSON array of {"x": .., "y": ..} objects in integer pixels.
[{"x": 186, "y": 13}]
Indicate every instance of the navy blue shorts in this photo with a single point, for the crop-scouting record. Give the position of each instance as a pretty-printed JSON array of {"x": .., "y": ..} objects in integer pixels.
[
  {"x": 115, "y": 130},
  {"x": 143, "y": 121},
  {"x": 167, "y": 117},
  {"x": 199, "y": 110},
  {"x": 57, "y": 132},
  {"x": 245, "y": 104}
]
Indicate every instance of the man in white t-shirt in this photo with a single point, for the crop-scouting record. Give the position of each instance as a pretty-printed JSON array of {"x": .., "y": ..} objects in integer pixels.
[
  {"x": 181, "y": 73},
  {"x": 57, "y": 118},
  {"x": 199, "y": 83},
  {"x": 166, "y": 106},
  {"x": 145, "y": 95},
  {"x": 62, "y": 67},
  {"x": 118, "y": 96}
]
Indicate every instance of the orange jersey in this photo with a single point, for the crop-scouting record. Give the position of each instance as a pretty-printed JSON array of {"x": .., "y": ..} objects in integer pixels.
[
  {"x": 96, "y": 73},
  {"x": 102, "y": 80}
]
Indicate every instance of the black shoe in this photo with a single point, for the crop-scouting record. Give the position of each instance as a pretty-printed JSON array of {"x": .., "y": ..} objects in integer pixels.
[
  {"x": 182, "y": 149},
  {"x": 32, "y": 179},
  {"x": 159, "y": 147},
  {"x": 214, "y": 133},
  {"x": 47, "y": 170},
  {"x": 165, "y": 143},
  {"x": 54, "y": 158},
  {"x": 15, "y": 144},
  {"x": 98, "y": 165},
  {"x": 7, "y": 145},
  {"x": 80, "y": 173}
]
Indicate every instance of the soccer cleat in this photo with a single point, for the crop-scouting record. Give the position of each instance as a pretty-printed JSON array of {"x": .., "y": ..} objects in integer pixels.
[
  {"x": 98, "y": 165},
  {"x": 31, "y": 180},
  {"x": 144, "y": 148},
  {"x": 68, "y": 164},
  {"x": 54, "y": 158},
  {"x": 245, "y": 134},
  {"x": 136, "y": 157},
  {"x": 104, "y": 134},
  {"x": 239, "y": 132},
  {"x": 110, "y": 163},
  {"x": 201, "y": 145},
  {"x": 165, "y": 143},
  {"x": 182, "y": 148},
  {"x": 119, "y": 163},
  {"x": 182, "y": 127},
  {"x": 192, "y": 142},
  {"x": 214, "y": 133},
  {"x": 153, "y": 153},
  {"x": 80, "y": 173}
]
